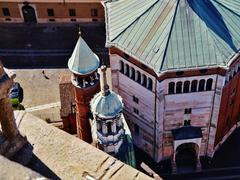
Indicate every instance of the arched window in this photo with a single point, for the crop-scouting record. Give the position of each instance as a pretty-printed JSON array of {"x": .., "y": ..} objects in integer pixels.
[
  {"x": 209, "y": 84},
  {"x": 201, "y": 86},
  {"x": 121, "y": 67},
  {"x": 171, "y": 88},
  {"x": 127, "y": 70},
  {"x": 144, "y": 80},
  {"x": 109, "y": 127},
  {"x": 179, "y": 87},
  {"x": 132, "y": 73},
  {"x": 194, "y": 86},
  {"x": 150, "y": 84},
  {"x": 186, "y": 87},
  {"x": 139, "y": 77}
]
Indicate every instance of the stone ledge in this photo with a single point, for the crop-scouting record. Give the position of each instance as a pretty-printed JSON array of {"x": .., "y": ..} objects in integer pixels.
[
  {"x": 67, "y": 156},
  {"x": 12, "y": 170}
]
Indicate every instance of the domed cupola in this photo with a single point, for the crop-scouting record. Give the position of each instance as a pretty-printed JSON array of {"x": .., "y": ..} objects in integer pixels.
[
  {"x": 107, "y": 109},
  {"x": 107, "y": 106}
]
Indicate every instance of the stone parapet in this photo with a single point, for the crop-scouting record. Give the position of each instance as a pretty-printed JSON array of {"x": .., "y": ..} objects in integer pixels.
[{"x": 69, "y": 157}]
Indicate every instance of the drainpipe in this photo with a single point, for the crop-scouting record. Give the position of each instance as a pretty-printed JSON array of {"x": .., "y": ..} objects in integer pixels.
[
  {"x": 155, "y": 121},
  {"x": 209, "y": 128}
]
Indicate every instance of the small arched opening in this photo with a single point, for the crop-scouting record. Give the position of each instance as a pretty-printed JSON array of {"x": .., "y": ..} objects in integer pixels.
[
  {"x": 144, "y": 80},
  {"x": 201, "y": 86},
  {"x": 209, "y": 84},
  {"x": 186, "y": 157},
  {"x": 171, "y": 88},
  {"x": 139, "y": 77},
  {"x": 29, "y": 14},
  {"x": 186, "y": 87},
  {"x": 127, "y": 70},
  {"x": 121, "y": 67},
  {"x": 179, "y": 87},
  {"x": 150, "y": 84},
  {"x": 194, "y": 86},
  {"x": 132, "y": 73}
]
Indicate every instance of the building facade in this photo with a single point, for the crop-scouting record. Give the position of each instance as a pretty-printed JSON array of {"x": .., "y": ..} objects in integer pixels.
[
  {"x": 177, "y": 72},
  {"x": 42, "y": 11}
]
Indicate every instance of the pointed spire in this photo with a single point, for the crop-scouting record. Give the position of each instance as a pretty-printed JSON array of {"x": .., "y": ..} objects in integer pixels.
[
  {"x": 105, "y": 86},
  {"x": 83, "y": 61}
]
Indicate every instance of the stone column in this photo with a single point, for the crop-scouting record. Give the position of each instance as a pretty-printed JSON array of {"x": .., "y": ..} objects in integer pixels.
[
  {"x": 7, "y": 119},
  {"x": 13, "y": 140}
]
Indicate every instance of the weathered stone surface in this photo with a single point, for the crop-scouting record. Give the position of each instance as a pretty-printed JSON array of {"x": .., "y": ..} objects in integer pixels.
[
  {"x": 12, "y": 141},
  {"x": 11, "y": 170},
  {"x": 69, "y": 157}
]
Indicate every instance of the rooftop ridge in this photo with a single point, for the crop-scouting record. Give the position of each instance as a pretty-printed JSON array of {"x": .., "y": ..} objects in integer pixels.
[{"x": 191, "y": 39}]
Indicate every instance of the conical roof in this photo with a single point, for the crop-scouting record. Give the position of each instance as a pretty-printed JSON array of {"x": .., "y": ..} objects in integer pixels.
[
  {"x": 83, "y": 60},
  {"x": 175, "y": 34}
]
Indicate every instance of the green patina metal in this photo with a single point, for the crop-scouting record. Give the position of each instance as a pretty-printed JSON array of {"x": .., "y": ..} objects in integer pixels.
[
  {"x": 106, "y": 106},
  {"x": 83, "y": 60},
  {"x": 175, "y": 34}
]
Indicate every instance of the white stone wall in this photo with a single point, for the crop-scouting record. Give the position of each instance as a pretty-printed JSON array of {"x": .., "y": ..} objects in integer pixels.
[
  {"x": 204, "y": 106},
  {"x": 169, "y": 109},
  {"x": 127, "y": 88}
]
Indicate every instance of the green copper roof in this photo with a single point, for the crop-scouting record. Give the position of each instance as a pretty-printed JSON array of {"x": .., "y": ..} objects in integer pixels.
[
  {"x": 83, "y": 60},
  {"x": 106, "y": 106},
  {"x": 175, "y": 34}
]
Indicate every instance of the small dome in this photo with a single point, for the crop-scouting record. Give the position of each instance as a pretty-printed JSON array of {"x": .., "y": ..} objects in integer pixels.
[
  {"x": 83, "y": 60},
  {"x": 106, "y": 106}
]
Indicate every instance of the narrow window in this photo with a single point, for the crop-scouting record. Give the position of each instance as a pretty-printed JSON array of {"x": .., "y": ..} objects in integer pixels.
[
  {"x": 171, "y": 88},
  {"x": 6, "y": 12},
  {"x": 121, "y": 67},
  {"x": 50, "y": 12},
  {"x": 72, "y": 12},
  {"x": 144, "y": 82},
  {"x": 186, "y": 87},
  {"x": 109, "y": 127},
  {"x": 135, "y": 99},
  {"x": 179, "y": 87},
  {"x": 135, "y": 111},
  {"x": 201, "y": 86},
  {"x": 188, "y": 111},
  {"x": 209, "y": 84},
  {"x": 127, "y": 70},
  {"x": 126, "y": 56},
  {"x": 132, "y": 73},
  {"x": 138, "y": 77},
  {"x": 94, "y": 12},
  {"x": 194, "y": 86},
  {"x": 150, "y": 84},
  {"x": 136, "y": 129},
  {"x": 185, "y": 122}
]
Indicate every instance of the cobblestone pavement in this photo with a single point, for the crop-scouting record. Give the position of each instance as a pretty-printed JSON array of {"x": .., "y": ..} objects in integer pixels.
[{"x": 40, "y": 89}]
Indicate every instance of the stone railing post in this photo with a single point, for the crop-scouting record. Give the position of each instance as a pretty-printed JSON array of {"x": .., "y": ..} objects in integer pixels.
[{"x": 13, "y": 140}]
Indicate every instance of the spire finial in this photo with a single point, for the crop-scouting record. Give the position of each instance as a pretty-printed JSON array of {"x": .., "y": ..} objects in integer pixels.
[
  {"x": 105, "y": 86},
  {"x": 79, "y": 30}
]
